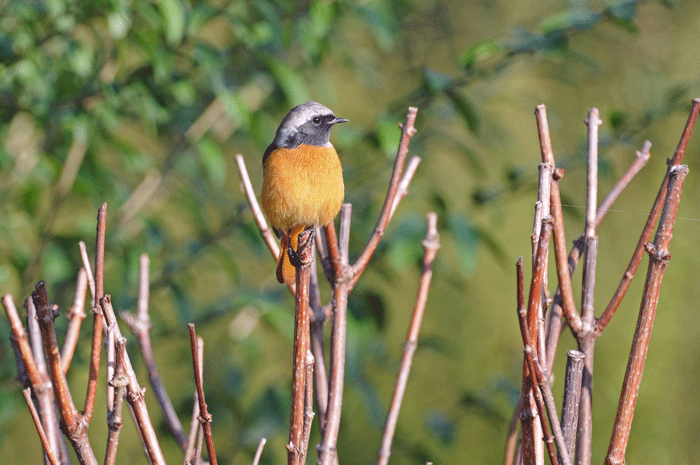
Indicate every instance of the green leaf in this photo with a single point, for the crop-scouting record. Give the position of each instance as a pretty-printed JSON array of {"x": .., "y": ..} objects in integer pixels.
[
  {"x": 441, "y": 426},
  {"x": 579, "y": 18},
  {"x": 467, "y": 239},
  {"x": 465, "y": 108},
  {"x": 56, "y": 265},
  {"x": 173, "y": 15},
  {"x": 624, "y": 10},
  {"x": 212, "y": 160},
  {"x": 388, "y": 134},
  {"x": 382, "y": 22},
  {"x": 435, "y": 81},
  {"x": 290, "y": 81},
  {"x": 480, "y": 52}
]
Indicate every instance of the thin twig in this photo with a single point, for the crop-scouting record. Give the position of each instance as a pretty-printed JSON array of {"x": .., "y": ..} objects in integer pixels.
[
  {"x": 265, "y": 230},
  {"x": 407, "y": 132},
  {"x": 402, "y": 191},
  {"x": 431, "y": 244},
  {"x": 140, "y": 325},
  {"x": 308, "y": 401},
  {"x": 296, "y": 450},
  {"x": 39, "y": 428},
  {"x": 659, "y": 256},
  {"x": 33, "y": 373},
  {"x": 640, "y": 160},
  {"x": 563, "y": 273},
  {"x": 205, "y": 416},
  {"x": 114, "y": 414},
  {"x": 572, "y": 396},
  {"x": 543, "y": 394},
  {"x": 73, "y": 424},
  {"x": 586, "y": 337},
  {"x": 555, "y": 321},
  {"x": 651, "y": 221},
  {"x": 76, "y": 317},
  {"x": 88, "y": 269},
  {"x": 100, "y": 252},
  {"x": 134, "y": 393},
  {"x": 258, "y": 452},
  {"x": 95, "y": 351},
  {"x": 195, "y": 427},
  {"x": 512, "y": 437},
  {"x": 527, "y": 452},
  {"x": 97, "y": 318},
  {"x": 327, "y": 453}
]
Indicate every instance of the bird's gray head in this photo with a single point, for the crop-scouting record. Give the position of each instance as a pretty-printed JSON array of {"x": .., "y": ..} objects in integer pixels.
[{"x": 309, "y": 123}]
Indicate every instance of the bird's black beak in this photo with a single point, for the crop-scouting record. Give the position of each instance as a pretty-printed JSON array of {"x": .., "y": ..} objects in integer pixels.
[{"x": 339, "y": 120}]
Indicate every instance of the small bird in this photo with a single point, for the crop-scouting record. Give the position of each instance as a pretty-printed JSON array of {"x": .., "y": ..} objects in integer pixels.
[{"x": 302, "y": 179}]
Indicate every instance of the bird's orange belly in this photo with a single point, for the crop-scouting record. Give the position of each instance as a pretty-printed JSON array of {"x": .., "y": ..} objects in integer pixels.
[{"x": 302, "y": 186}]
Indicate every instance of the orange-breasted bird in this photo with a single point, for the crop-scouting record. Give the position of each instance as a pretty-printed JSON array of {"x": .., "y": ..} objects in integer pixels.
[{"x": 302, "y": 179}]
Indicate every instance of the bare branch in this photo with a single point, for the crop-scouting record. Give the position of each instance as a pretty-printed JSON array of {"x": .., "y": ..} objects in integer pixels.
[
  {"x": 134, "y": 393},
  {"x": 572, "y": 396},
  {"x": 258, "y": 452},
  {"x": 88, "y": 270},
  {"x": 265, "y": 230},
  {"x": 114, "y": 414},
  {"x": 296, "y": 450},
  {"x": 205, "y": 416},
  {"x": 659, "y": 257},
  {"x": 76, "y": 317},
  {"x": 73, "y": 424},
  {"x": 407, "y": 132},
  {"x": 431, "y": 244},
  {"x": 39, "y": 428},
  {"x": 651, "y": 221},
  {"x": 140, "y": 325},
  {"x": 563, "y": 273},
  {"x": 195, "y": 427}
]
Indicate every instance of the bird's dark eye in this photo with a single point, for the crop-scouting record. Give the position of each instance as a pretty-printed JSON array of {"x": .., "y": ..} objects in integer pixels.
[{"x": 316, "y": 120}]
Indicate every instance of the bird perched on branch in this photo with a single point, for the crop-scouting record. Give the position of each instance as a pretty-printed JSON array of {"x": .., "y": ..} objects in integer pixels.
[{"x": 302, "y": 179}]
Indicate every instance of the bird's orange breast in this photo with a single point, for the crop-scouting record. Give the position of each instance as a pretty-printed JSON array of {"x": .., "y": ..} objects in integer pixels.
[{"x": 302, "y": 186}]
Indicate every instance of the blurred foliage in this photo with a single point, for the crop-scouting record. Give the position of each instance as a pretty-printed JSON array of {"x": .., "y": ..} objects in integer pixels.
[{"x": 144, "y": 105}]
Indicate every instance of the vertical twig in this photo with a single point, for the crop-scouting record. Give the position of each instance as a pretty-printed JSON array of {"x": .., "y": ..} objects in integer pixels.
[
  {"x": 29, "y": 373},
  {"x": 586, "y": 339},
  {"x": 659, "y": 257},
  {"x": 431, "y": 244},
  {"x": 555, "y": 320},
  {"x": 141, "y": 326},
  {"x": 114, "y": 413},
  {"x": 572, "y": 396},
  {"x": 651, "y": 221},
  {"x": 76, "y": 317},
  {"x": 327, "y": 454},
  {"x": 74, "y": 426},
  {"x": 544, "y": 190},
  {"x": 563, "y": 273},
  {"x": 39, "y": 428},
  {"x": 258, "y": 452},
  {"x": 134, "y": 393},
  {"x": 194, "y": 423},
  {"x": 308, "y": 401},
  {"x": 407, "y": 132},
  {"x": 296, "y": 451},
  {"x": 97, "y": 317},
  {"x": 205, "y": 416}
]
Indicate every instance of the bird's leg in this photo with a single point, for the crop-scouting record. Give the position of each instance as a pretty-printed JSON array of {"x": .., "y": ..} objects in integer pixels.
[{"x": 306, "y": 238}]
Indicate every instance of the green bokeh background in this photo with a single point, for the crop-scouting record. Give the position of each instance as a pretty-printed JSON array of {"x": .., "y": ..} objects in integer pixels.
[{"x": 145, "y": 104}]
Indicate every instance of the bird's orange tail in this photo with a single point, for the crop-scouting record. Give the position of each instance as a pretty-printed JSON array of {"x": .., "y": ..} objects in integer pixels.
[{"x": 286, "y": 272}]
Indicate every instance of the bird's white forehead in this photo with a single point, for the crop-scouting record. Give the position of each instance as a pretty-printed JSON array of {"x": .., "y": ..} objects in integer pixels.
[{"x": 303, "y": 113}]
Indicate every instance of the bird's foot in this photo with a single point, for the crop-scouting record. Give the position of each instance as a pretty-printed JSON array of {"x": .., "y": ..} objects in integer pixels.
[{"x": 306, "y": 239}]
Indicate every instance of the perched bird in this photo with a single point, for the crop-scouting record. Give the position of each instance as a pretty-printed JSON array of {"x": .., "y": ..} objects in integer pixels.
[{"x": 302, "y": 179}]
